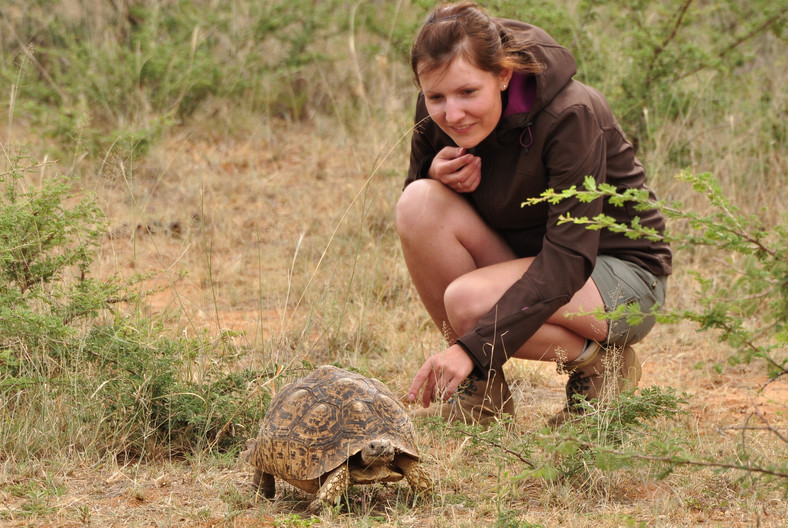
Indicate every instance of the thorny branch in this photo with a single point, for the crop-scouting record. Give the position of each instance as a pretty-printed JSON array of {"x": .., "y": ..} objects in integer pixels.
[
  {"x": 493, "y": 443},
  {"x": 658, "y": 51},
  {"x": 676, "y": 460},
  {"x": 779, "y": 17}
]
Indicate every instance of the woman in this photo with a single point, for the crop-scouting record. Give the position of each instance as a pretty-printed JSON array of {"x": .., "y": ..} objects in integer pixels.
[{"x": 500, "y": 119}]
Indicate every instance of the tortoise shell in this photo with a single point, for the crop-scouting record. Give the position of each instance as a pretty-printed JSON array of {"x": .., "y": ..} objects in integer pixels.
[{"x": 318, "y": 422}]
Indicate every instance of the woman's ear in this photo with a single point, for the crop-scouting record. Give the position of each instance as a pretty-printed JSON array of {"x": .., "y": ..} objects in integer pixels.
[{"x": 505, "y": 76}]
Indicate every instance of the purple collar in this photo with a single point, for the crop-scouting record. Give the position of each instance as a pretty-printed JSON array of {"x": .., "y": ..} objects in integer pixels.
[{"x": 522, "y": 92}]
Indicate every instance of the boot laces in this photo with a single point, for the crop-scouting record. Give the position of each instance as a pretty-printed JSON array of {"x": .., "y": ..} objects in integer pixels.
[{"x": 467, "y": 387}]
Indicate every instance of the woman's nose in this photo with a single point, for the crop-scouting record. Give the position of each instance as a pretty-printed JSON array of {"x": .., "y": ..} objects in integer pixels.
[{"x": 454, "y": 111}]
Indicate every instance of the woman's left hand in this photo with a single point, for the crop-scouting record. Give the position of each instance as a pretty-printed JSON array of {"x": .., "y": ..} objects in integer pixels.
[
  {"x": 456, "y": 169},
  {"x": 441, "y": 374}
]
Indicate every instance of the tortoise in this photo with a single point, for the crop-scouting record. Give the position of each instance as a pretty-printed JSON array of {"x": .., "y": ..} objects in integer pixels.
[{"x": 331, "y": 429}]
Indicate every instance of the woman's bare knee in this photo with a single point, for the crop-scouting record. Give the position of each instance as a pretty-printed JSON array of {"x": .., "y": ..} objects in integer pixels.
[
  {"x": 418, "y": 205},
  {"x": 465, "y": 303}
]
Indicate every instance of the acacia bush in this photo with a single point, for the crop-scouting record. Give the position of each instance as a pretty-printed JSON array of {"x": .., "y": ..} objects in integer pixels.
[
  {"x": 47, "y": 251},
  {"x": 744, "y": 304},
  {"x": 663, "y": 52},
  {"x": 749, "y": 307}
]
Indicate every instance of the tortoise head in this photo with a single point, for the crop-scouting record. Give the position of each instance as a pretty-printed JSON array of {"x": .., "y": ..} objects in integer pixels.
[{"x": 378, "y": 452}]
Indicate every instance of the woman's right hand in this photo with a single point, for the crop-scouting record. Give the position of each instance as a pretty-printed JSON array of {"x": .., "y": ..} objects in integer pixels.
[
  {"x": 440, "y": 375},
  {"x": 457, "y": 169}
]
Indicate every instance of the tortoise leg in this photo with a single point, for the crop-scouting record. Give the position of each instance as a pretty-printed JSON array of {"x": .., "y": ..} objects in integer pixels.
[
  {"x": 332, "y": 489},
  {"x": 416, "y": 476},
  {"x": 264, "y": 483}
]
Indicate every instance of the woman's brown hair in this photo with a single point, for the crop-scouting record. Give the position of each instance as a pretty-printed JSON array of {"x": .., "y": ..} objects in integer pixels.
[{"x": 466, "y": 30}]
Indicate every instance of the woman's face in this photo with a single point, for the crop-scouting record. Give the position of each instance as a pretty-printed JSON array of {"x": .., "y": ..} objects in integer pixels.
[{"x": 464, "y": 101}]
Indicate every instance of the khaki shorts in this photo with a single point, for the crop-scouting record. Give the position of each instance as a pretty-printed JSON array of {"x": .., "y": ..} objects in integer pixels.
[{"x": 622, "y": 283}]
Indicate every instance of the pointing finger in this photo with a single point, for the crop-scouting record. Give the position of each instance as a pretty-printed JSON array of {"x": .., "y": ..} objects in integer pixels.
[{"x": 419, "y": 381}]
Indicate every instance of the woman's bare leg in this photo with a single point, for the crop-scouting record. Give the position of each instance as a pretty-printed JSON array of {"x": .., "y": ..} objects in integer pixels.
[
  {"x": 442, "y": 239},
  {"x": 561, "y": 338}
]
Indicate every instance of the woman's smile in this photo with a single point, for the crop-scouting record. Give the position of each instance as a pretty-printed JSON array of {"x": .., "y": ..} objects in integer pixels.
[{"x": 462, "y": 128}]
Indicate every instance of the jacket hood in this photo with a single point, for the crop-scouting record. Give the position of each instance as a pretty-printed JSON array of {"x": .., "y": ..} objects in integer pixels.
[{"x": 559, "y": 64}]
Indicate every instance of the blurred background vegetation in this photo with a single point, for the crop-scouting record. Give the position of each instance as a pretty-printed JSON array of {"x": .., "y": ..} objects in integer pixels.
[{"x": 116, "y": 75}]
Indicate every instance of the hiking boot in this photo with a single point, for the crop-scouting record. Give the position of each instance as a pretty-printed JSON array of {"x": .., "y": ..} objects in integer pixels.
[
  {"x": 600, "y": 373},
  {"x": 478, "y": 400}
]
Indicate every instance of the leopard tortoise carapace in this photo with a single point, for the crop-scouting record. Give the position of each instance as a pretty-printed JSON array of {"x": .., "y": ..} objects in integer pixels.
[{"x": 332, "y": 429}]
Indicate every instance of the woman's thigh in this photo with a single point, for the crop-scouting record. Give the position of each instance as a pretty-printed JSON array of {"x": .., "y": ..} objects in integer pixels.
[
  {"x": 474, "y": 294},
  {"x": 435, "y": 222}
]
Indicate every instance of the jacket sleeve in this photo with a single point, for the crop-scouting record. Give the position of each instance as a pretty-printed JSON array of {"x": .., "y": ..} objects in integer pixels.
[{"x": 575, "y": 148}]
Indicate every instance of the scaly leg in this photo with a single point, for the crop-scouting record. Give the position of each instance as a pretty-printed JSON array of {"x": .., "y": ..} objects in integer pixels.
[
  {"x": 332, "y": 489},
  {"x": 416, "y": 476}
]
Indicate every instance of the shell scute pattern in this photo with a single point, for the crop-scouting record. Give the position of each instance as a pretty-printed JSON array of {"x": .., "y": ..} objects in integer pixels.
[
  {"x": 355, "y": 416},
  {"x": 385, "y": 405}
]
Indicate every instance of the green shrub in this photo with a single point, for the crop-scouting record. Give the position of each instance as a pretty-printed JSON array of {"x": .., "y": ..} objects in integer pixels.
[
  {"x": 750, "y": 307},
  {"x": 47, "y": 249},
  {"x": 75, "y": 370},
  {"x": 155, "y": 399},
  {"x": 745, "y": 305}
]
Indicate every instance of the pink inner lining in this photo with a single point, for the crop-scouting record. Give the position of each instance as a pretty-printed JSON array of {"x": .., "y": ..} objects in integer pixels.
[{"x": 522, "y": 92}]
